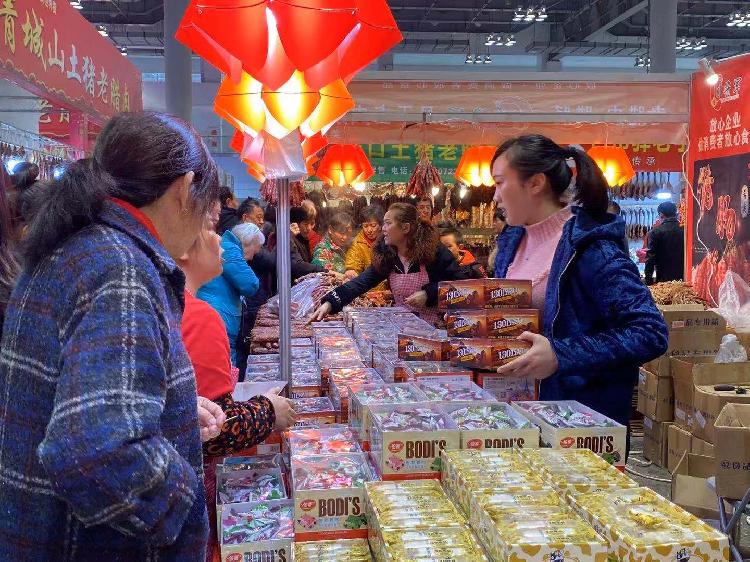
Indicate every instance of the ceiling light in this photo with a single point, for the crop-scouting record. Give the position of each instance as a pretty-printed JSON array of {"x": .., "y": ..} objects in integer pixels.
[
  {"x": 542, "y": 14},
  {"x": 510, "y": 41},
  {"x": 739, "y": 19},
  {"x": 123, "y": 51},
  {"x": 478, "y": 59},
  {"x": 643, "y": 62},
  {"x": 490, "y": 40},
  {"x": 487, "y": 59},
  {"x": 435, "y": 190},
  {"x": 663, "y": 195},
  {"x": 469, "y": 59},
  {"x": 76, "y": 4},
  {"x": 707, "y": 66},
  {"x": 518, "y": 14},
  {"x": 102, "y": 31},
  {"x": 530, "y": 15}
]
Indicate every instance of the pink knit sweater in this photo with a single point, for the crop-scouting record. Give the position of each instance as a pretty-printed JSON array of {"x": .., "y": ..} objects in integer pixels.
[{"x": 535, "y": 253}]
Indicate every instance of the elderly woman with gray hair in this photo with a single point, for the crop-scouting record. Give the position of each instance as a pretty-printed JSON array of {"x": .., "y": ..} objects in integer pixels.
[{"x": 237, "y": 279}]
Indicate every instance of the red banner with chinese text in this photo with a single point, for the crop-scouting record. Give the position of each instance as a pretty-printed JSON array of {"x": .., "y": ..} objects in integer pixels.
[
  {"x": 51, "y": 50},
  {"x": 718, "y": 236}
]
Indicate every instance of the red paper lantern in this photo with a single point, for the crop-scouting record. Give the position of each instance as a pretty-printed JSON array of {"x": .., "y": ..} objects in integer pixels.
[
  {"x": 475, "y": 167},
  {"x": 614, "y": 163},
  {"x": 344, "y": 164},
  {"x": 327, "y": 40}
]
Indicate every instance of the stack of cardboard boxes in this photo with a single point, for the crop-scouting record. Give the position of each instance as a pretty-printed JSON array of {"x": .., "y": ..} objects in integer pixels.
[{"x": 694, "y": 337}]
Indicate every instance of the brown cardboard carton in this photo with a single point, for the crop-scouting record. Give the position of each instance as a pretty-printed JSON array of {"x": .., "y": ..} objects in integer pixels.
[
  {"x": 732, "y": 451},
  {"x": 706, "y": 402},
  {"x": 655, "y": 396},
  {"x": 701, "y": 447},
  {"x": 678, "y": 443},
  {"x": 486, "y": 353},
  {"x": 655, "y": 441},
  {"x": 689, "y": 486}
]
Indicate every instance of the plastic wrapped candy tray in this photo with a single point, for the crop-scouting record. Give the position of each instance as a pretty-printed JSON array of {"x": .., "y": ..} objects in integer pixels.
[{"x": 257, "y": 531}]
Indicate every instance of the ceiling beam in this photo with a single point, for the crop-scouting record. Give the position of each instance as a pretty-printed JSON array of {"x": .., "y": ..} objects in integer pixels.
[{"x": 627, "y": 14}]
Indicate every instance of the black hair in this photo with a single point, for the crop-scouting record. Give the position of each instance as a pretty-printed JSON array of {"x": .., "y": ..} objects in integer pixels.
[
  {"x": 137, "y": 157},
  {"x": 298, "y": 215},
  {"x": 8, "y": 265},
  {"x": 452, "y": 231},
  {"x": 24, "y": 175},
  {"x": 339, "y": 221},
  {"x": 371, "y": 213},
  {"x": 537, "y": 154},
  {"x": 225, "y": 194},
  {"x": 247, "y": 206},
  {"x": 422, "y": 245}
]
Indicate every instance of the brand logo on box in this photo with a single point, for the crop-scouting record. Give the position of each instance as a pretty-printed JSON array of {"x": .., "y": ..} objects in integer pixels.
[
  {"x": 396, "y": 447},
  {"x": 307, "y": 505},
  {"x": 474, "y": 444},
  {"x": 260, "y": 556},
  {"x": 567, "y": 443}
]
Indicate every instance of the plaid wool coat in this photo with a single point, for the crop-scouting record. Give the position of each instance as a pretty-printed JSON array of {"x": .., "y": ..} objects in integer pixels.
[{"x": 100, "y": 453}]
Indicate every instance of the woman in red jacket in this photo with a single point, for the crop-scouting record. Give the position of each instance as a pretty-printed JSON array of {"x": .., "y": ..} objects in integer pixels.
[{"x": 207, "y": 344}]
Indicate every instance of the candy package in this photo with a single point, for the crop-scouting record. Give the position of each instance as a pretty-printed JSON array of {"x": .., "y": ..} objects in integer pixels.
[
  {"x": 505, "y": 388},
  {"x": 263, "y": 358},
  {"x": 568, "y": 424},
  {"x": 263, "y": 530},
  {"x": 488, "y": 354},
  {"x": 258, "y": 462},
  {"x": 348, "y": 550},
  {"x": 406, "y": 440},
  {"x": 342, "y": 382},
  {"x": 306, "y": 381},
  {"x": 453, "y": 543},
  {"x": 431, "y": 347},
  {"x": 314, "y": 411},
  {"x": 371, "y": 395},
  {"x": 329, "y": 496},
  {"x": 495, "y": 323},
  {"x": 454, "y": 391},
  {"x": 244, "y": 486},
  {"x": 492, "y": 425},
  {"x": 474, "y": 294},
  {"x": 326, "y": 439},
  {"x": 418, "y": 371}
]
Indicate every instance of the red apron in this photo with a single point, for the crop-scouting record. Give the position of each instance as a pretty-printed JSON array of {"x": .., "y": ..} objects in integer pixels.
[{"x": 404, "y": 285}]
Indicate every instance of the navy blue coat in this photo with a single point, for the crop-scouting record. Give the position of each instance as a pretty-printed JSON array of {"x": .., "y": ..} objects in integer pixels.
[{"x": 599, "y": 316}]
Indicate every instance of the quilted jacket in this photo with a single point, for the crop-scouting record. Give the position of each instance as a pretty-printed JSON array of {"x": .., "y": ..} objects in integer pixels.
[
  {"x": 599, "y": 316},
  {"x": 100, "y": 453}
]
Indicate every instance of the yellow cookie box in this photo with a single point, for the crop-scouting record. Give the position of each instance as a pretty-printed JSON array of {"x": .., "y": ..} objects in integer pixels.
[
  {"x": 354, "y": 550},
  {"x": 640, "y": 525},
  {"x": 456, "y": 544}
]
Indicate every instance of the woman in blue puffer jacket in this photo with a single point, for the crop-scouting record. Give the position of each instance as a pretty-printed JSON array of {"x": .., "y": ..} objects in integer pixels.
[
  {"x": 599, "y": 321},
  {"x": 237, "y": 279}
]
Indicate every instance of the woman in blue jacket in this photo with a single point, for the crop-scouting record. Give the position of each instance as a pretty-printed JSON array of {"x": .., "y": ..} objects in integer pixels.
[
  {"x": 599, "y": 319},
  {"x": 237, "y": 279}
]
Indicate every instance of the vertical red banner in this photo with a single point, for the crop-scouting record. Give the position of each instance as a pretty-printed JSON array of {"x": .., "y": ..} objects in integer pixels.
[{"x": 718, "y": 233}]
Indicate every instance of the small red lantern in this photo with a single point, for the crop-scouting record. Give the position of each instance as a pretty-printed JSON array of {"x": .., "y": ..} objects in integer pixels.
[
  {"x": 344, "y": 164},
  {"x": 475, "y": 167},
  {"x": 614, "y": 163}
]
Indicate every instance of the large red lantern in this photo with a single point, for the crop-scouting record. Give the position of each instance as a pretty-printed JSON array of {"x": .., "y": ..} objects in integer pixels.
[
  {"x": 344, "y": 164},
  {"x": 327, "y": 40},
  {"x": 614, "y": 163},
  {"x": 475, "y": 167}
]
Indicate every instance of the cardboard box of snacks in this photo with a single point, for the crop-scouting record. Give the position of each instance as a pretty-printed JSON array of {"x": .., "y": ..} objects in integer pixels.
[
  {"x": 492, "y": 323},
  {"x": 679, "y": 442},
  {"x": 732, "y": 451},
  {"x": 484, "y": 293},
  {"x": 655, "y": 441},
  {"x": 655, "y": 396}
]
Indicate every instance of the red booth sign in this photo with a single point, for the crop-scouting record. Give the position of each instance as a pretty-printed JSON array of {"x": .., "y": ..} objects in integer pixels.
[{"x": 49, "y": 49}]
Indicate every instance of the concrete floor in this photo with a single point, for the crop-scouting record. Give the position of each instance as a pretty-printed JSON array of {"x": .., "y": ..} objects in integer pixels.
[{"x": 648, "y": 474}]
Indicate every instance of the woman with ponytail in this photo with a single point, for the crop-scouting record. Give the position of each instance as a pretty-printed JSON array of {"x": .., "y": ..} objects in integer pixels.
[
  {"x": 599, "y": 320},
  {"x": 100, "y": 445},
  {"x": 410, "y": 256}
]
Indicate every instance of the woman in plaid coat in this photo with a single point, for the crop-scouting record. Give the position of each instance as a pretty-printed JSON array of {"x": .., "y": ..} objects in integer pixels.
[{"x": 100, "y": 453}]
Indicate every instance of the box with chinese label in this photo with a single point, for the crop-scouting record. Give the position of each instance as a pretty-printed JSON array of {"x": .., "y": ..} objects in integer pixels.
[
  {"x": 638, "y": 524},
  {"x": 256, "y": 531},
  {"x": 655, "y": 446},
  {"x": 732, "y": 451},
  {"x": 679, "y": 442},
  {"x": 474, "y": 294},
  {"x": 567, "y": 424},
  {"x": 314, "y": 411},
  {"x": 492, "y": 425},
  {"x": 505, "y": 388},
  {"x": 487, "y": 354},
  {"x": 416, "y": 371},
  {"x": 655, "y": 396},
  {"x": 423, "y": 347},
  {"x": 329, "y": 494},
  {"x": 406, "y": 440}
]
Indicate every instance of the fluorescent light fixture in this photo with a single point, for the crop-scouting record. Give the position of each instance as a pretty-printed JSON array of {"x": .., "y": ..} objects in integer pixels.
[
  {"x": 76, "y": 4},
  {"x": 490, "y": 40},
  {"x": 487, "y": 59},
  {"x": 102, "y": 31},
  {"x": 11, "y": 163},
  {"x": 469, "y": 59},
  {"x": 663, "y": 195}
]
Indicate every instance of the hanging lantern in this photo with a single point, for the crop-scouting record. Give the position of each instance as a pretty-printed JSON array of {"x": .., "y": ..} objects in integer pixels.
[
  {"x": 344, "y": 164},
  {"x": 475, "y": 167},
  {"x": 251, "y": 108},
  {"x": 271, "y": 39},
  {"x": 614, "y": 163}
]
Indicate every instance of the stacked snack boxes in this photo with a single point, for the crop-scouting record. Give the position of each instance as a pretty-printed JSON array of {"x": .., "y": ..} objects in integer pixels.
[
  {"x": 377, "y": 395},
  {"x": 484, "y": 319},
  {"x": 329, "y": 496},
  {"x": 453, "y": 391},
  {"x": 568, "y": 424},
  {"x": 638, "y": 524},
  {"x": 432, "y": 346},
  {"x": 256, "y": 531},
  {"x": 306, "y": 381},
  {"x": 492, "y": 425},
  {"x": 406, "y": 440},
  {"x": 416, "y": 371},
  {"x": 415, "y": 520},
  {"x": 349, "y": 550}
]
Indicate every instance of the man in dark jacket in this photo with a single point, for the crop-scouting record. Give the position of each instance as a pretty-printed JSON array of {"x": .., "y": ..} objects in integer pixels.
[
  {"x": 666, "y": 247},
  {"x": 228, "y": 218}
]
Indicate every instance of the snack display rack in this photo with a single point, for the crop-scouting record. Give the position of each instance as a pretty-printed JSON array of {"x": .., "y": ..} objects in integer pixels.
[{"x": 438, "y": 468}]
